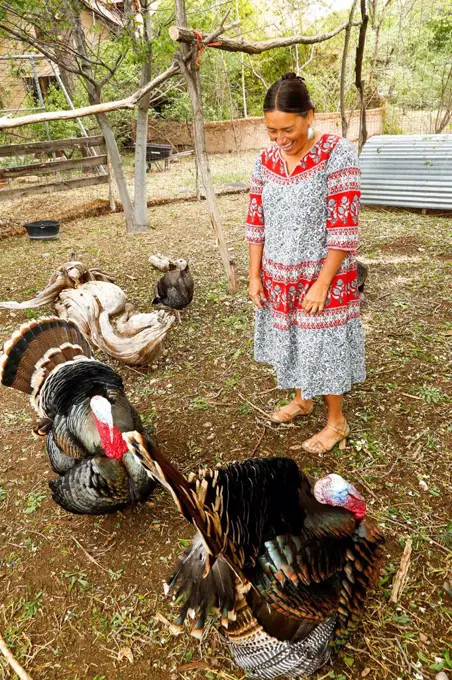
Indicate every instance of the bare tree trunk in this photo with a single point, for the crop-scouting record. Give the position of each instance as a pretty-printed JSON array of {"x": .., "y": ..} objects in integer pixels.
[
  {"x": 444, "y": 112},
  {"x": 348, "y": 31},
  {"x": 191, "y": 74},
  {"x": 94, "y": 97},
  {"x": 373, "y": 65},
  {"x": 359, "y": 82},
  {"x": 141, "y": 133},
  {"x": 245, "y": 105}
]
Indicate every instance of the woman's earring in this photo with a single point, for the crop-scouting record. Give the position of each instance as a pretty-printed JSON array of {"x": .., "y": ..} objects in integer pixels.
[{"x": 311, "y": 132}]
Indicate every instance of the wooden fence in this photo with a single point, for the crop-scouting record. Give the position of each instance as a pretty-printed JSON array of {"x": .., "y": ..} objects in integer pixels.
[{"x": 98, "y": 163}]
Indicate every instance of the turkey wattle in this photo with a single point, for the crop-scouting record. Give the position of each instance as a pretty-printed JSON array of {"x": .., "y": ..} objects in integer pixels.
[
  {"x": 83, "y": 410},
  {"x": 287, "y": 563}
]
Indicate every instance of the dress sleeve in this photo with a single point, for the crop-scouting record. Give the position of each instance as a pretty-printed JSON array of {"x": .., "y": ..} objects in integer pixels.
[
  {"x": 255, "y": 219},
  {"x": 343, "y": 197}
]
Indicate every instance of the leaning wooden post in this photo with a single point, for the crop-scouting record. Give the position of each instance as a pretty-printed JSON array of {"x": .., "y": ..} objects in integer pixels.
[
  {"x": 111, "y": 194},
  {"x": 191, "y": 73}
]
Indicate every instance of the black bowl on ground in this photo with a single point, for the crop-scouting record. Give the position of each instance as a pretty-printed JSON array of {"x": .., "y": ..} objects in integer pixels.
[{"x": 43, "y": 230}]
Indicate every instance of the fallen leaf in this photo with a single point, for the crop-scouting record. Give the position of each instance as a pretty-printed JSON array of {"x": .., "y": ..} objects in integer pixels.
[{"x": 125, "y": 653}]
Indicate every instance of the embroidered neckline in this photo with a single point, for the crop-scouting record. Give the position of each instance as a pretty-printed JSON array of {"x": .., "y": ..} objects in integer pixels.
[{"x": 303, "y": 158}]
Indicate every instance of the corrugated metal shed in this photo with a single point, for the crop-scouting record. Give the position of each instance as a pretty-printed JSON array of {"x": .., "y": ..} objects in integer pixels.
[{"x": 414, "y": 171}]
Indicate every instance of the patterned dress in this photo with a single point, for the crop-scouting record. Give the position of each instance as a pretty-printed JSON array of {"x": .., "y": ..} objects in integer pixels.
[{"x": 298, "y": 217}]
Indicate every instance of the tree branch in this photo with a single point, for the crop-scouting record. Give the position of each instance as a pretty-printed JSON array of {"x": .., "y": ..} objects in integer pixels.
[
  {"x": 187, "y": 35},
  {"x": 104, "y": 107}
]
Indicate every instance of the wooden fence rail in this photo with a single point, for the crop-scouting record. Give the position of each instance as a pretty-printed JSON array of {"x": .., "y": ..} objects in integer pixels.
[
  {"x": 54, "y": 145},
  {"x": 95, "y": 162},
  {"x": 52, "y": 166}
]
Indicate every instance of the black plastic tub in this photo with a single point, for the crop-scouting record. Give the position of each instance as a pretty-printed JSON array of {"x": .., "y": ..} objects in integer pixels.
[{"x": 44, "y": 230}]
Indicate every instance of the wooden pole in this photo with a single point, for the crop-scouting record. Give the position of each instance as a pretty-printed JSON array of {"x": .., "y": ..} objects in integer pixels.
[
  {"x": 15, "y": 665},
  {"x": 183, "y": 34},
  {"x": 111, "y": 194},
  {"x": 191, "y": 73}
]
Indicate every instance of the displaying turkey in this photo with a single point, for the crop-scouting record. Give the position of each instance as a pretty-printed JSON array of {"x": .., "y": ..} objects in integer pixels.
[
  {"x": 82, "y": 409},
  {"x": 175, "y": 288},
  {"x": 285, "y": 562}
]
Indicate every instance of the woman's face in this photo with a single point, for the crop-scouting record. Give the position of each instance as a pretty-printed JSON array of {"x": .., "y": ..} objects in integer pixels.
[{"x": 288, "y": 130}]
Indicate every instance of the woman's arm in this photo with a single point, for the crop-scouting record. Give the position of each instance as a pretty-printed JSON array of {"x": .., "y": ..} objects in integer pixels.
[
  {"x": 256, "y": 289},
  {"x": 343, "y": 176},
  {"x": 255, "y": 234},
  {"x": 314, "y": 300}
]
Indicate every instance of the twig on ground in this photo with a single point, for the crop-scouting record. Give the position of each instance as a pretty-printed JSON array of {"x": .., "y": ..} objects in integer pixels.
[
  {"x": 15, "y": 665},
  {"x": 259, "y": 441},
  {"x": 401, "y": 575},
  {"x": 193, "y": 665},
  {"x": 90, "y": 557},
  {"x": 259, "y": 410},
  {"x": 272, "y": 389},
  {"x": 174, "y": 629},
  {"x": 412, "y": 396}
]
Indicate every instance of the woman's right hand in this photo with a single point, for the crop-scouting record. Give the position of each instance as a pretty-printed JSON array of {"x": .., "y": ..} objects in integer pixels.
[{"x": 256, "y": 291}]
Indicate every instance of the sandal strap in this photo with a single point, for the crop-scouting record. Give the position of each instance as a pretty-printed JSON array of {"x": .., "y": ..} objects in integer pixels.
[
  {"x": 317, "y": 446},
  {"x": 284, "y": 417},
  {"x": 343, "y": 433},
  {"x": 317, "y": 443}
]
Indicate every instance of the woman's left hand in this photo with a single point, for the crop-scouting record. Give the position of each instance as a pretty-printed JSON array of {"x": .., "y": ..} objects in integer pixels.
[{"x": 314, "y": 300}]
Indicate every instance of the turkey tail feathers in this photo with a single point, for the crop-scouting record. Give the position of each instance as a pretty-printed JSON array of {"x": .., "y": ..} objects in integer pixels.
[
  {"x": 216, "y": 590},
  {"x": 188, "y": 497},
  {"x": 36, "y": 348},
  {"x": 142, "y": 447}
]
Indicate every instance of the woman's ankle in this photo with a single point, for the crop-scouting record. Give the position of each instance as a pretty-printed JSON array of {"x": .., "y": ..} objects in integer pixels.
[
  {"x": 336, "y": 421},
  {"x": 302, "y": 402}
]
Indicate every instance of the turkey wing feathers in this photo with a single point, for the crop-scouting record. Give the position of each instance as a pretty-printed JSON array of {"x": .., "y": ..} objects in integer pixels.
[{"x": 93, "y": 486}]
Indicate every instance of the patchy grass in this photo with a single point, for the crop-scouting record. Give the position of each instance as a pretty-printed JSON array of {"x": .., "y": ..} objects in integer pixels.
[{"x": 79, "y": 595}]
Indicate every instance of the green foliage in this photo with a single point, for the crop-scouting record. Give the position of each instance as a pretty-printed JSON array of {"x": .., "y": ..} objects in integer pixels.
[
  {"x": 407, "y": 65},
  {"x": 34, "y": 501}
]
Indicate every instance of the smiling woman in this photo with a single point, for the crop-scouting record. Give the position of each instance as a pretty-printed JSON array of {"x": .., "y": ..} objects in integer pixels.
[{"x": 302, "y": 230}]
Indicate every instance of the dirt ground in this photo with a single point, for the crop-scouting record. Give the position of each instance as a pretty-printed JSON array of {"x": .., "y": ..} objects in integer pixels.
[{"x": 79, "y": 595}]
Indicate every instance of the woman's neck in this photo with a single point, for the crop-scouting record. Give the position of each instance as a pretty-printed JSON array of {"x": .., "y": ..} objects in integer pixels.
[{"x": 293, "y": 160}]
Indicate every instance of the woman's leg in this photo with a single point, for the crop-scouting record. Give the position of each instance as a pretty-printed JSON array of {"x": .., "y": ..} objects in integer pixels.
[{"x": 328, "y": 437}]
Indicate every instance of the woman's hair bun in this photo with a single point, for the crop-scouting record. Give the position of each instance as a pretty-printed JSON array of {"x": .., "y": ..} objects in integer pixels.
[{"x": 292, "y": 76}]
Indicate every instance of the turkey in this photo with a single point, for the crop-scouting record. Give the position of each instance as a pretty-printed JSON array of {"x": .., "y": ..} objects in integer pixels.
[
  {"x": 363, "y": 271},
  {"x": 82, "y": 410},
  {"x": 286, "y": 563},
  {"x": 175, "y": 288}
]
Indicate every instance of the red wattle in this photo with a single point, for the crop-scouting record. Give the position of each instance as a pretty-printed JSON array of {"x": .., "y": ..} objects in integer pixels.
[{"x": 113, "y": 449}]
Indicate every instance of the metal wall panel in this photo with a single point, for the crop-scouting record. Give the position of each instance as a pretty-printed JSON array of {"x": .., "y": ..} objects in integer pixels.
[{"x": 413, "y": 171}]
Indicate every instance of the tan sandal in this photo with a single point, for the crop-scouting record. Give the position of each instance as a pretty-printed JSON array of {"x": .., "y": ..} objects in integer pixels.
[
  {"x": 319, "y": 447},
  {"x": 282, "y": 416}
]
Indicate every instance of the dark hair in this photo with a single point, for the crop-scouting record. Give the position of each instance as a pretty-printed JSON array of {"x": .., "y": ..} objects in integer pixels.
[{"x": 290, "y": 95}]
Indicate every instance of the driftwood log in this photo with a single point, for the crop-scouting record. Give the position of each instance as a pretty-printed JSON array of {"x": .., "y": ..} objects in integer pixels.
[{"x": 90, "y": 298}]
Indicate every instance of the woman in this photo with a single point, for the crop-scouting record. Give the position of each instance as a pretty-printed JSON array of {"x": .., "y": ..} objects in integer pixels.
[{"x": 302, "y": 229}]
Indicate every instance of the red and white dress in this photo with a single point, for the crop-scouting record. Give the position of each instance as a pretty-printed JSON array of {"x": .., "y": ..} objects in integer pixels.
[{"x": 298, "y": 218}]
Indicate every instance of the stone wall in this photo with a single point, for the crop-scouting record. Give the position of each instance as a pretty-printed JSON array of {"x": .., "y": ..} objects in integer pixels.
[{"x": 246, "y": 134}]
